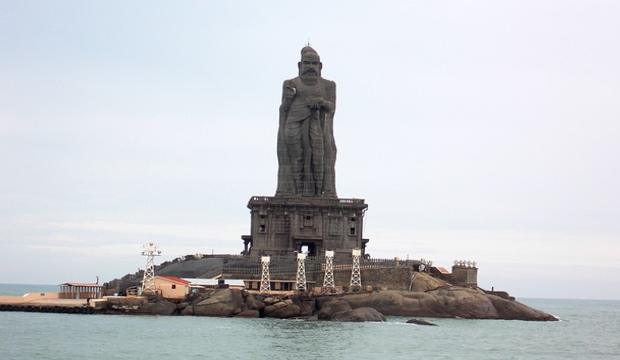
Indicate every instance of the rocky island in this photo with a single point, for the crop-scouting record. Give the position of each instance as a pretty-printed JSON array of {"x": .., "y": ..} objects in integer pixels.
[
  {"x": 305, "y": 236},
  {"x": 306, "y": 256},
  {"x": 430, "y": 297}
]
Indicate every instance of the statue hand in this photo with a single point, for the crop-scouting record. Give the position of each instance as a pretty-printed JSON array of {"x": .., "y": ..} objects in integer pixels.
[
  {"x": 315, "y": 103},
  {"x": 327, "y": 105},
  {"x": 320, "y": 104}
]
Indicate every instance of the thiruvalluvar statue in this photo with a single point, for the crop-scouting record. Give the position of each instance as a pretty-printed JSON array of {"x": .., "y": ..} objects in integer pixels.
[{"x": 306, "y": 146}]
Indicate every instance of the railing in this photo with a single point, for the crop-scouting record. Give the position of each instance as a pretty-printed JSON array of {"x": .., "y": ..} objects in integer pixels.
[
  {"x": 272, "y": 199},
  {"x": 286, "y": 266}
]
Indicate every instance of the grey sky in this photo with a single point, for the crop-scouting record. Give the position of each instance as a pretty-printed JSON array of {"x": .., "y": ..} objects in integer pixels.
[{"x": 479, "y": 130}]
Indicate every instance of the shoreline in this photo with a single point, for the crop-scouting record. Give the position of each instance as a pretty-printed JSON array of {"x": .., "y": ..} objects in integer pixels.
[{"x": 451, "y": 302}]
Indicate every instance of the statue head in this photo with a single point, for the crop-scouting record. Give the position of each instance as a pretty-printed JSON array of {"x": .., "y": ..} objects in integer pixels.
[{"x": 310, "y": 65}]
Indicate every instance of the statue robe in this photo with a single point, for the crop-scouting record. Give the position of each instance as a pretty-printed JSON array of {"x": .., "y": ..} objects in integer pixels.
[{"x": 294, "y": 111}]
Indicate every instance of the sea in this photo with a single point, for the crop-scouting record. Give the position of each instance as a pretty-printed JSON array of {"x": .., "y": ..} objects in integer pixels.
[{"x": 589, "y": 329}]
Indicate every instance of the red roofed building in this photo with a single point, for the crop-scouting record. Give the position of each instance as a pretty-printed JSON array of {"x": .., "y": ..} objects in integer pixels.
[{"x": 171, "y": 287}]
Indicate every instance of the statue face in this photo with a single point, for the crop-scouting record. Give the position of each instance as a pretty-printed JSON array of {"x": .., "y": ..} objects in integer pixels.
[{"x": 310, "y": 66}]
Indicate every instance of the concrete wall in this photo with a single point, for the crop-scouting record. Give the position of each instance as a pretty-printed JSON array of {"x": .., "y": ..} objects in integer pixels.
[{"x": 387, "y": 278}]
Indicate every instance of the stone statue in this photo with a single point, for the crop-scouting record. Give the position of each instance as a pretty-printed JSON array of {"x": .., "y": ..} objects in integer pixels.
[{"x": 306, "y": 146}]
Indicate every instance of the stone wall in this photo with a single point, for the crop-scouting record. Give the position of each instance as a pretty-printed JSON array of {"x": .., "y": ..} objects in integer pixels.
[
  {"x": 387, "y": 278},
  {"x": 463, "y": 275}
]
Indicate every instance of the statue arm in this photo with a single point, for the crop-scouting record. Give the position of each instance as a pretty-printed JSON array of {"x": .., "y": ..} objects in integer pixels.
[
  {"x": 330, "y": 144},
  {"x": 288, "y": 93},
  {"x": 331, "y": 97},
  {"x": 283, "y": 162},
  {"x": 328, "y": 103}
]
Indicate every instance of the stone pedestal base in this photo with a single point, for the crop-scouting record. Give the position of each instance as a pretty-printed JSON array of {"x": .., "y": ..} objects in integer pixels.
[{"x": 283, "y": 225}]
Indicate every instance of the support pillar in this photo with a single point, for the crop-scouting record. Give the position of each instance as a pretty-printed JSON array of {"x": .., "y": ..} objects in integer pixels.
[
  {"x": 265, "y": 283},
  {"x": 300, "y": 280},
  {"x": 328, "y": 280},
  {"x": 356, "y": 276}
]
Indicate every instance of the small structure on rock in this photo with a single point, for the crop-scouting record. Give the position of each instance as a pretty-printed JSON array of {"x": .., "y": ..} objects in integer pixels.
[
  {"x": 171, "y": 287},
  {"x": 465, "y": 273},
  {"x": 74, "y": 290}
]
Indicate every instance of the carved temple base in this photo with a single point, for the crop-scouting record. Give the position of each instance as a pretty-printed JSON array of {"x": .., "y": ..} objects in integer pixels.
[{"x": 283, "y": 225}]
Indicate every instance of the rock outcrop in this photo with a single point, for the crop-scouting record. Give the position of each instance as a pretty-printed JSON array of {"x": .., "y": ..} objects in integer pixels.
[
  {"x": 420, "y": 322},
  {"x": 432, "y": 298},
  {"x": 331, "y": 306},
  {"x": 223, "y": 302},
  {"x": 424, "y": 282},
  {"x": 159, "y": 307},
  {"x": 248, "y": 314},
  {"x": 447, "y": 301},
  {"x": 254, "y": 304},
  {"x": 514, "y": 310},
  {"x": 359, "y": 315},
  {"x": 283, "y": 309}
]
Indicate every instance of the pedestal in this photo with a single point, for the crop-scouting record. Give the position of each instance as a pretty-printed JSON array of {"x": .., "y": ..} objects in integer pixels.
[{"x": 283, "y": 225}]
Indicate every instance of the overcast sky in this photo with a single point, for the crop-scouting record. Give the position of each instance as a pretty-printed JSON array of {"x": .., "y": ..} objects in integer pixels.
[{"x": 480, "y": 130}]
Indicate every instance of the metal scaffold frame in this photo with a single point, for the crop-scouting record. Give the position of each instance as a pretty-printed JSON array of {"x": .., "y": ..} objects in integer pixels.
[
  {"x": 300, "y": 279},
  {"x": 148, "y": 281},
  {"x": 265, "y": 283},
  {"x": 356, "y": 276},
  {"x": 328, "y": 280}
]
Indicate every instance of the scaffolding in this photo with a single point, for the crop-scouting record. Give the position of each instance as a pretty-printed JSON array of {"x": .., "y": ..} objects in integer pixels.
[
  {"x": 328, "y": 280},
  {"x": 356, "y": 276},
  {"x": 148, "y": 281},
  {"x": 265, "y": 283},
  {"x": 300, "y": 279}
]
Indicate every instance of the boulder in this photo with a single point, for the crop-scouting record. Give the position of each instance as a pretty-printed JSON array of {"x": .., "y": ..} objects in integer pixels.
[
  {"x": 284, "y": 312},
  {"x": 331, "y": 306},
  {"x": 188, "y": 310},
  {"x": 514, "y": 310},
  {"x": 248, "y": 314},
  {"x": 395, "y": 303},
  {"x": 359, "y": 315},
  {"x": 158, "y": 307},
  {"x": 307, "y": 307},
  {"x": 420, "y": 322},
  {"x": 465, "y": 303},
  {"x": 253, "y": 304},
  {"x": 270, "y": 300},
  {"x": 271, "y": 308},
  {"x": 222, "y": 302},
  {"x": 446, "y": 301},
  {"x": 425, "y": 282}
]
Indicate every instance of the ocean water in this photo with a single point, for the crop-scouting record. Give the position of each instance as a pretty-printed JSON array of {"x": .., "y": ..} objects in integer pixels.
[{"x": 589, "y": 329}]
